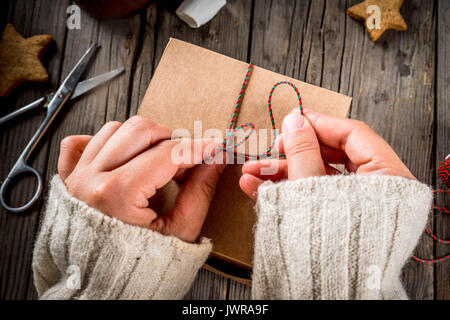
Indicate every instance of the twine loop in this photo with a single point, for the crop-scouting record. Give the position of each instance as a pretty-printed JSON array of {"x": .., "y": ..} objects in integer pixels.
[{"x": 233, "y": 130}]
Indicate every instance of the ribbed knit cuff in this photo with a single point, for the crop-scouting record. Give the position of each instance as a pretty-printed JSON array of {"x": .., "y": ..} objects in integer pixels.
[
  {"x": 81, "y": 253},
  {"x": 337, "y": 237}
]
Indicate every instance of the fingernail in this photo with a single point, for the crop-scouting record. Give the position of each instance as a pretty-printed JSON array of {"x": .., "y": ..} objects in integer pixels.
[{"x": 293, "y": 121}]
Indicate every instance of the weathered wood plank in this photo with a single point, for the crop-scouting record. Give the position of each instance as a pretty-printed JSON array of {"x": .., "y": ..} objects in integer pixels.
[
  {"x": 208, "y": 285},
  {"x": 86, "y": 115},
  {"x": 277, "y": 35},
  {"x": 238, "y": 291},
  {"x": 228, "y": 34},
  {"x": 118, "y": 40},
  {"x": 442, "y": 140},
  {"x": 329, "y": 49},
  {"x": 145, "y": 58},
  {"x": 17, "y": 230},
  {"x": 392, "y": 84},
  {"x": 276, "y": 44},
  {"x": 301, "y": 39},
  {"x": 6, "y": 7}
]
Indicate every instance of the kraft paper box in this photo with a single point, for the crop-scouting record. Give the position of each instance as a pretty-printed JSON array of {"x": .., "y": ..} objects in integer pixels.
[{"x": 194, "y": 84}]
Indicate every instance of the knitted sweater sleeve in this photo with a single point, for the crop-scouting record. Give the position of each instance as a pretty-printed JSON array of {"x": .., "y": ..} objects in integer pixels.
[
  {"x": 337, "y": 237},
  {"x": 81, "y": 253}
]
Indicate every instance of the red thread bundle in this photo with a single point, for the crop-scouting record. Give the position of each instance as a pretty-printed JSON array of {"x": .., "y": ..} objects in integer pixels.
[{"x": 443, "y": 173}]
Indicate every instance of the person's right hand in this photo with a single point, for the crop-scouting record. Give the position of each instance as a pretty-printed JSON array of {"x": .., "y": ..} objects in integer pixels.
[{"x": 313, "y": 141}]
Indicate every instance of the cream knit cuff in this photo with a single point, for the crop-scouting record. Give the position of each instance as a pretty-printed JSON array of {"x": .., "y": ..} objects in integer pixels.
[
  {"x": 81, "y": 253},
  {"x": 337, "y": 237}
]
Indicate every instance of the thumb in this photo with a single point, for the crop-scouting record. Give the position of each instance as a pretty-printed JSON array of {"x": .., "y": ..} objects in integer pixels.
[
  {"x": 192, "y": 203},
  {"x": 301, "y": 147}
]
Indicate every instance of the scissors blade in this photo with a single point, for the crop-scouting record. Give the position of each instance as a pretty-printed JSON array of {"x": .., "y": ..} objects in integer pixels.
[
  {"x": 89, "y": 84},
  {"x": 39, "y": 103},
  {"x": 70, "y": 82},
  {"x": 81, "y": 88},
  {"x": 74, "y": 76}
]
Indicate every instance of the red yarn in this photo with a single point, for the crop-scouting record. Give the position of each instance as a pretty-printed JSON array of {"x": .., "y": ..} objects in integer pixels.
[{"x": 443, "y": 172}]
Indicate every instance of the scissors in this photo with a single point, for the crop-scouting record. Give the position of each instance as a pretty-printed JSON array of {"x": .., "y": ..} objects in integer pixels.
[{"x": 69, "y": 89}]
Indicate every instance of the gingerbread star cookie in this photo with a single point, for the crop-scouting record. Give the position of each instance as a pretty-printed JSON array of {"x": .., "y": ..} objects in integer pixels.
[
  {"x": 20, "y": 59},
  {"x": 386, "y": 11}
]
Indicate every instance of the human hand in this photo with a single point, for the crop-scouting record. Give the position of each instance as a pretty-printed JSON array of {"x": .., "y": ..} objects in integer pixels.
[
  {"x": 313, "y": 141},
  {"x": 123, "y": 165}
]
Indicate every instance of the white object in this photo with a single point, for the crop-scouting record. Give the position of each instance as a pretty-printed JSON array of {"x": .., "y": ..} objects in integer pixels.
[{"x": 198, "y": 12}]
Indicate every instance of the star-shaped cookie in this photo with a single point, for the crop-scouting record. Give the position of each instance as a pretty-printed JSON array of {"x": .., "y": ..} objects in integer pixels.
[
  {"x": 20, "y": 59},
  {"x": 390, "y": 17}
]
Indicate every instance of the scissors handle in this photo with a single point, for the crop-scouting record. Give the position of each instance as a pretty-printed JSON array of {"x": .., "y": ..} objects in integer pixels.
[
  {"x": 54, "y": 106},
  {"x": 20, "y": 168}
]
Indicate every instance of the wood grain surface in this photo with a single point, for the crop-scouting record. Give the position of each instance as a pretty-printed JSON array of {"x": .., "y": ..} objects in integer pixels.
[{"x": 400, "y": 87}]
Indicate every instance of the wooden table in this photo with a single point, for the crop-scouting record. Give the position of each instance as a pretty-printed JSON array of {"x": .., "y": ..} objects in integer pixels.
[{"x": 399, "y": 87}]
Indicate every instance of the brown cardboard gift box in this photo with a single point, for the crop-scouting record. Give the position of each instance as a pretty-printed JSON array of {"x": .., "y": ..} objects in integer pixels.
[{"x": 192, "y": 84}]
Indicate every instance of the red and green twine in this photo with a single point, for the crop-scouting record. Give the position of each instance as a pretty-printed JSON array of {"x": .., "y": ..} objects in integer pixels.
[{"x": 233, "y": 129}]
